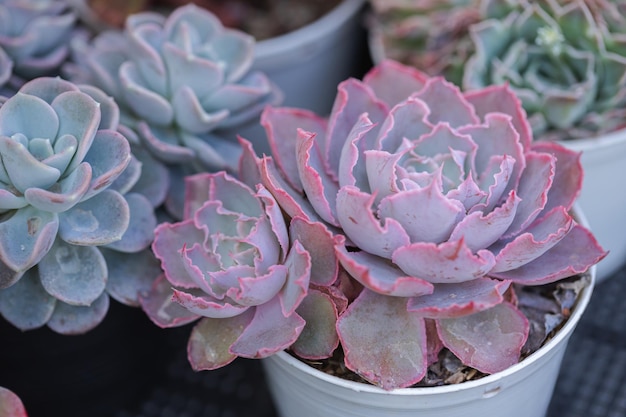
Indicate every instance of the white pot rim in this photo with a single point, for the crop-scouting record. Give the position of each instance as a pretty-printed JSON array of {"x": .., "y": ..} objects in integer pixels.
[
  {"x": 563, "y": 333},
  {"x": 597, "y": 142},
  {"x": 282, "y": 44}
]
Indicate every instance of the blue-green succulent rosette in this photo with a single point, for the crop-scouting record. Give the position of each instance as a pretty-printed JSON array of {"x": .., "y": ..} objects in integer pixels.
[
  {"x": 76, "y": 220},
  {"x": 566, "y": 61},
  {"x": 183, "y": 83}
]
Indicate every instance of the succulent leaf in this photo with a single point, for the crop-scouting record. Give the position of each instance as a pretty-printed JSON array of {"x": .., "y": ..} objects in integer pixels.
[
  {"x": 26, "y": 237},
  {"x": 26, "y": 304},
  {"x": 401, "y": 362},
  {"x": 490, "y": 340},
  {"x": 319, "y": 338},
  {"x": 210, "y": 341},
  {"x": 75, "y": 275},
  {"x": 72, "y": 319},
  {"x": 10, "y": 404}
]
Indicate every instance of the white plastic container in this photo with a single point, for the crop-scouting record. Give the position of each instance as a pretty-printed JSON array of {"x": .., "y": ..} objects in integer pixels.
[
  {"x": 309, "y": 63},
  {"x": 523, "y": 390},
  {"x": 603, "y": 196}
]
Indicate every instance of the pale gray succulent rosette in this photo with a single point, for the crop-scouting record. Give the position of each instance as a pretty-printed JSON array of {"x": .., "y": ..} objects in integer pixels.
[
  {"x": 34, "y": 38},
  {"x": 564, "y": 59},
  {"x": 76, "y": 217},
  {"x": 183, "y": 83}
]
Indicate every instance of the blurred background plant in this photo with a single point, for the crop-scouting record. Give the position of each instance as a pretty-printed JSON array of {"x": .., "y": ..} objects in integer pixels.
[{"x": 564, "y": 59}]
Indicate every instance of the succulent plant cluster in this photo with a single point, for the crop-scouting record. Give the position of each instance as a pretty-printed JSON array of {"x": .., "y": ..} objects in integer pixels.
[
  {"x": 566, "y": 60},
  {"x": 70, "y": 212},
  {"x": 181, "y": 82},
  {"x": 435, "y": 202},
  {"x": 98, "y": 132}
]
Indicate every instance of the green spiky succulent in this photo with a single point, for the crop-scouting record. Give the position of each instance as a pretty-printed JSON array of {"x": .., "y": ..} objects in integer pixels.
[{"x": 565, "y": 59}]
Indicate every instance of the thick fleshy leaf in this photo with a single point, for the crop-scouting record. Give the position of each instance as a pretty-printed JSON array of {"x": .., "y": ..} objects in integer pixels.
[
  {"x": 79, "y": 116},
  {"x": 293, "y": 203},
  {"x": 108, "y": 157},
  {"x": 319, "y": 187},
  {"x": 281, "y": 125},
  {"x": 248, "y": 167},
  {"x": 538, "y": 238},
  {"x": 170, "y": 239},
  {"x": 186, "y": 70},
  {"x": 17, "y": 115},
  {"x": 574, "y": 254},
  {"x": 365, "y": 334},
  {"x": 319, "y": 242},
  {"x": 10, "y": 198},
  {"x": 191, "y": 116},
  {"x": 68, "y": 191},
  {"x": 207, "y": 306},
  {"x": 147, "y": 104},
  {"x": 130, "y": 274},
  {"x": 234, "y": 196},
  {"x": 157, "y": 303},
  {"x": 447, "y": 262},
  {"x": 26, "y": 304},
  {"x": 252, "y": 291},
  {"x": 154, "y": 180},
  {"x": 26, "y": 237},
  {"x": 533, "y": 189},
  {"x": 274, "y": 227},
  {"x": 406, "y": 120},
  {"x": 354, "y": 212},
  {"x": 268, "y": 332},
  {"x": 425, "y": 214},
  {"x": 379, "y": 275},
  {"x": 500, "y": 98},
  {"x": 459, "y": 299},
  {"x": 100, "y": 220},
  {"x": 76, "y": 275},
  {"x": 15, "y": 156},
  {"x": 298, "y": 265},
  {"x": 568, "y": 177},
  {"x": 353, "y": 99},
  {"x": 69, "y": 319},
  {"x": 393, "y": 82},
  {"x": 8, "y": 276},
  {"x": 480, "y": 230},
  {"x": 142, "y": 222},
  {"x": 497, "y": 137},
  {"x": 319, "y": 337},
  {"x": 354, "y": 167},
  {"x": 209, "y": 344},
  {"x": 164, "y": 144},
  {"x": 248, "y": 93},
  {"x": 10, "y": 404},
  {"x": 490, "y": 341},
  {"x": 446, "y": 103}
]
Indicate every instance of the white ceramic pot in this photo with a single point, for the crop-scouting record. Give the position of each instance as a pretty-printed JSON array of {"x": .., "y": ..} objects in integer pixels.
[
  {"x": 603, "y": 199},
  {"x": 523, "y": 390},
  {"x": 309, "y": 63}
]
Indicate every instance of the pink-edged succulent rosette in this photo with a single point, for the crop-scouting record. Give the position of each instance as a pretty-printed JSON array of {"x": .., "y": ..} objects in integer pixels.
[{"x": 440, "y": 202}]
